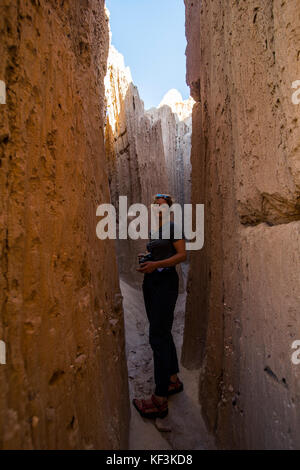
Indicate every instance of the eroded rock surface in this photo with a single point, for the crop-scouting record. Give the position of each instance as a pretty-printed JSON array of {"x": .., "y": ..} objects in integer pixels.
[
  {"x": 64, "y": 385},
  {"x": 243, "y": 293},
  {"x": 175, "y": 116}
]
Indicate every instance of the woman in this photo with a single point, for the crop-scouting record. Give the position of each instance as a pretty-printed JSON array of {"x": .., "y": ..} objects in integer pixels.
[{"x": 160, "y": 290}]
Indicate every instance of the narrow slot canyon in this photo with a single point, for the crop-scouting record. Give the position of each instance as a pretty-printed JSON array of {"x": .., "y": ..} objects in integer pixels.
[
  {"x": 75, "y": 134},
  {"x": 147, "y": 150}
]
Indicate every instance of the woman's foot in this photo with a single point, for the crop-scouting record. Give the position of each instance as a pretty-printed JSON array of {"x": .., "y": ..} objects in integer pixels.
[
  {"x": 160, "y": 399},
  {"x": 155, "y": 407},
  {"x": 175, "y": 386}
]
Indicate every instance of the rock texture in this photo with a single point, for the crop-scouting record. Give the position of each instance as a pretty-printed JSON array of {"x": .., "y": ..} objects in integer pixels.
[
  {"x": 243, "y": 292},
  {"x": 147, "y": 151},
  {"x": 175, "y": 116},
  {"x": 65, "y": 382}
]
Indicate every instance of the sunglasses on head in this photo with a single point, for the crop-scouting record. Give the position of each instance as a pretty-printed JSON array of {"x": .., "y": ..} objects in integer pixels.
[{"x": 164, "y": 196}]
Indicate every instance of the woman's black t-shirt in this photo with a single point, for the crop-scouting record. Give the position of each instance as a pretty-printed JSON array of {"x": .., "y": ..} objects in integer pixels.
[{"x": 162, "y": 248}]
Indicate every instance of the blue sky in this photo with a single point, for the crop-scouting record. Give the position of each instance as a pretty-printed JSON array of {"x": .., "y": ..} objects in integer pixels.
[{"x": 151, "y": 36}]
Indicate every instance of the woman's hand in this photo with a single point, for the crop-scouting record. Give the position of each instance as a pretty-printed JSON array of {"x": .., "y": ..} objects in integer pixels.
[{"x": 147, "y": 267}]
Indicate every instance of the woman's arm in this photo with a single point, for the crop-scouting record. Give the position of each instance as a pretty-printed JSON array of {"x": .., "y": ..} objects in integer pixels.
[{"x": 180, "y": 256}]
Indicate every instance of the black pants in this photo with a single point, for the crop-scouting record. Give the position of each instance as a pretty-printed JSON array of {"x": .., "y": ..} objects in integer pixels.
[{"x": 160, "y": 291}]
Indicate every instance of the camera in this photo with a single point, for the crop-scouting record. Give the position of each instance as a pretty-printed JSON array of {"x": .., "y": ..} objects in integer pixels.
[{"x": 144, "y": 257}]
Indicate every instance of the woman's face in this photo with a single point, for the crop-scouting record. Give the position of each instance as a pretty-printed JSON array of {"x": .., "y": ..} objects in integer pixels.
[{"x": 161, "y": 201}]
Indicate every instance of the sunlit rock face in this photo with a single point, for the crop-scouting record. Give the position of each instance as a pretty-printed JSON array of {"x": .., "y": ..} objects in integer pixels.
[
  {"x": 243, "y": 302},
  {"x": 175, "y": 116},
  {"x": 147, "y": 151},
  {"x": 64, "y": 385},
  {"x": 134, "y": 146},
  {"x": 183, "y": 108}
]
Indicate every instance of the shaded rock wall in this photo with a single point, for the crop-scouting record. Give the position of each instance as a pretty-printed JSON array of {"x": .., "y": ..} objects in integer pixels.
[
  {"x": 147, "y": 151},
  {"x": 243, "y": 292},
  {"x": 65, "y": 381}
]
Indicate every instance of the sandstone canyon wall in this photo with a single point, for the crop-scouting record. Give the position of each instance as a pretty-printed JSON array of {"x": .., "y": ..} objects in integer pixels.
[
  {"x": 175, "y": 116},
  {"x": 64, "y": 385},
  {"x": 147, "y": 151},
  {"x": 243, "y": 293}
]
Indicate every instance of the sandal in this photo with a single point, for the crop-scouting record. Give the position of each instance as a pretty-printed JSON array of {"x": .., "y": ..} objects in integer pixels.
[
  {"x": 159, "y": 410},
  {"x": 175, "y": 387}
]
